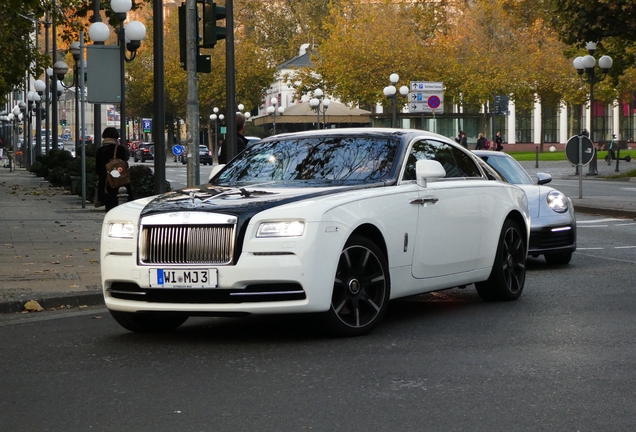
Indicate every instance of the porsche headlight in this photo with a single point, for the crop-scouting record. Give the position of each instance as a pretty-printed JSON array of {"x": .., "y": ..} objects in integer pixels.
[
  {"x": 557, "y": 201},
  {"x": 281, "y": 229},
  {"x": 121, "y": 230}
]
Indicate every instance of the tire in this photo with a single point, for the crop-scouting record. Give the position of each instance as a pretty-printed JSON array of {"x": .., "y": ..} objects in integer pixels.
[
  {"x": 361, "y": 289},
  {"x": 148, "y": 322},
  {"x": 508, "y": 273},
  {"x": 560, "y": 258},
  {"x": 135, "y": 159}
]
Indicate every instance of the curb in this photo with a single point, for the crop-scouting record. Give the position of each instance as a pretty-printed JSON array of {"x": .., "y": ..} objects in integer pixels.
[
  {"x": 74, "y": 300},
  {"x": 631, "y": 214}
]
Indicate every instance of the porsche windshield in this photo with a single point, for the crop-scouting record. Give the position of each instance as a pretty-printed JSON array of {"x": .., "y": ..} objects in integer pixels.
[{"x": 331, "y": 159}]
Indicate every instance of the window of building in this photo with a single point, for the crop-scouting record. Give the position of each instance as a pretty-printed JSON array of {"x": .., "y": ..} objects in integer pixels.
[
  {"x": 550, "y": 124},
  {"x": 524, "y": 121}
]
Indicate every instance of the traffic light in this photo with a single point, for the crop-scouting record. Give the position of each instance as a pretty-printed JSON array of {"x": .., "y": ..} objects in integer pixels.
[
  {"x": 212, "y": 33},
  {"x": 63, "y": 122}
]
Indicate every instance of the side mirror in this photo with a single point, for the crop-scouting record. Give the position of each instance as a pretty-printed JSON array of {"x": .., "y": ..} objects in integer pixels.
[
  {"x": 428, "y": 170},
  {"x": 543, "y": 178}
]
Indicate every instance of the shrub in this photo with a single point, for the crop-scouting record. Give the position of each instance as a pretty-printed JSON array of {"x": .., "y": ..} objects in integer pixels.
[
  {"x": 56, "y": 176},
  {"x": 36, "y": 167},
  {"x": 142, "y": 181}
]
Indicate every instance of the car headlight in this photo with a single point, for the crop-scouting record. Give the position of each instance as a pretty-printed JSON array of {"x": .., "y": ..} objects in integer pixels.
[
  {"x": 557, "y": 201},
  {"x": 121, "y": 230},
  {"x": 281, "y": 229}
]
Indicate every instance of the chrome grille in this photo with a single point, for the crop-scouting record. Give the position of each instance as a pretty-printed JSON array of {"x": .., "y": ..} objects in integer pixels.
[{"x": 187, "y": 244}]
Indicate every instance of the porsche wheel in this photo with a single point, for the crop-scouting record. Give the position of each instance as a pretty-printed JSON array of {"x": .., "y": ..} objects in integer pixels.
[
  {"x": 508, "y": 273},
  {"x": 148, "y": 323},
  {"x": 361, "y": 289}
]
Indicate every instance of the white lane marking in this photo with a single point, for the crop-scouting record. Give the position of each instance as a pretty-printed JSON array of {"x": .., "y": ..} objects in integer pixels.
[
  {"x": 580, "y": 248},
  {"x": 625, "y": 247},
  {"x": 626, "y": 224},
  {"x": 627, "y": 189},
  {"x": 592, "y": 226}
]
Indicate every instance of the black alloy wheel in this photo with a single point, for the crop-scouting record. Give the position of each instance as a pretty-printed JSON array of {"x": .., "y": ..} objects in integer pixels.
[
  {"x": 508, "y": 274},
  {"x": 361, "y": 289}
]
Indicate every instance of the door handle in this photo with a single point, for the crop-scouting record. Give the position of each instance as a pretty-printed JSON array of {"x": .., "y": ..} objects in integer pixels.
[{"x": 423, "y": 201}]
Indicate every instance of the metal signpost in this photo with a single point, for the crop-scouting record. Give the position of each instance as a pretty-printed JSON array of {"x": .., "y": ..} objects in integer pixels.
[
  {"x": 579, "y": 151},
  {"x": 427, "y": 96}
]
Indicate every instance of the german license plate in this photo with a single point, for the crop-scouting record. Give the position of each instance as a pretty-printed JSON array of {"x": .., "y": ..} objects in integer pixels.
[{"x": 183, "y": 278}]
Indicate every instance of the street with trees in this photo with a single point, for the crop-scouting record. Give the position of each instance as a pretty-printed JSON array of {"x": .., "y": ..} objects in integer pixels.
[{"x": 478, "y": 48}]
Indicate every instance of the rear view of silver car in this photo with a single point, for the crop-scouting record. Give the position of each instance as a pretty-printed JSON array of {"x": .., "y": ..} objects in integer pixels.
[{"x": 553, "y": 223}]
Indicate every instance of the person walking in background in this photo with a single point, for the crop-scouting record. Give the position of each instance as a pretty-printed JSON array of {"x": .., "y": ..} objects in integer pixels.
[
  {"x": 610, "y": 150},
  {"x": 463, "y": 140},
  {"x": 498, "y": 142},
  {"x": 481, "y": 142},
  {"x": 109, "y": 149},
  {"x": 241, "y": 141},
  {"x": 458, "y": 138},
  {"x": 585, "y": 132}
]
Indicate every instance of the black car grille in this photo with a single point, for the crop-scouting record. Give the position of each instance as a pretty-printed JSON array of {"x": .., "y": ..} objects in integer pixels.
[
  {"x": 548, "y": 239},
  {"x": 254, "y": 293},
  {"x": 187, "y": 244}
]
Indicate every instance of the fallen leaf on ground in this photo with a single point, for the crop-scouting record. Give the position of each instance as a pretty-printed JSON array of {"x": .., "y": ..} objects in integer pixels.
[
  {"x": 82, "y": 307},
  {"x": 74, "y": 286},
  {"x": 96, "y": 317},
  {"x": 33, "y": 306}
]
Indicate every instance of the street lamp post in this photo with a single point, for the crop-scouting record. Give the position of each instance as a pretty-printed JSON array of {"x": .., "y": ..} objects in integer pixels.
[
  {"x": 587, "y": 65},
  {"x": 215, "y": 117},
  {"x": 60, "y": 69},
  {"x": 391, "y": 93},
  {"x": 134, "y": 33},
  {"x": 272, "y": 110},
  {"x": 40, "y": 87},
  {"x": 316, "y": 102}
]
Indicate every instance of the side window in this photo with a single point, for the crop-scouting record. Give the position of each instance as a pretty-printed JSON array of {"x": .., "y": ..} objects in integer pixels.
[{"x": 455, "y": 162}]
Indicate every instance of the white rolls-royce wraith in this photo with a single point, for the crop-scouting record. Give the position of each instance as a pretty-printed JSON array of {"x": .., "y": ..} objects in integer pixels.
[{"x": 332, "y": 222}]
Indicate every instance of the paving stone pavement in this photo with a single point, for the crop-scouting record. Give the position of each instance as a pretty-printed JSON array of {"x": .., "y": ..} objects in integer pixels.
[{"x": 50, "y": 242}]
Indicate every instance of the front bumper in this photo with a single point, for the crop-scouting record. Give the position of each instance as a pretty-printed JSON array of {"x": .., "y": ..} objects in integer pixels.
[{"x": 548, "y": 239}]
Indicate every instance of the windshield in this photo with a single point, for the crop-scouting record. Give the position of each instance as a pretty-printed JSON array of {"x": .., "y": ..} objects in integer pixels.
[
  {"x": 339, "y": 159},
  {"x": 509, "y": 169}
]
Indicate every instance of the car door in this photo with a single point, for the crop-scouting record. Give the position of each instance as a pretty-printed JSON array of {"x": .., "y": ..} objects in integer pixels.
[{"x": 448, "y": 238}]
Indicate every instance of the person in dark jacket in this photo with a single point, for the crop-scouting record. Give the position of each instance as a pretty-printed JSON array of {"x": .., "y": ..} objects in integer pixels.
[
  {"x": 241, "y": 141},
  {"x": 110, "y": 144},
  {"x": 498, "y": 142},
  {"x": 464, "y": 139},
  {"x": 481, "y": 141}
]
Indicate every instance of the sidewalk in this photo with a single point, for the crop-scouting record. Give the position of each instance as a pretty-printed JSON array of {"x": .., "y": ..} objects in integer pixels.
[{"x": 50, "y": 244}]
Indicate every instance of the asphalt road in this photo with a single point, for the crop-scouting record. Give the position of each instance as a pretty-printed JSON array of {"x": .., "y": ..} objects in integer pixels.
[{"x": 561, "y": 358}]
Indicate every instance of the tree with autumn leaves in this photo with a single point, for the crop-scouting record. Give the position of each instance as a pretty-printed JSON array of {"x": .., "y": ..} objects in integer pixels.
[{"x": 476, "y": 47}]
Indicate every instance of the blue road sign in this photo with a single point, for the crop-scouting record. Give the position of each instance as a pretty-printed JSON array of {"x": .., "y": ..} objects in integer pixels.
[{"x": 177, "y": 149}]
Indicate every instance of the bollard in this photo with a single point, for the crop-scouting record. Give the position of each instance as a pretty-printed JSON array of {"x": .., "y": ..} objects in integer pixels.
[
  {"x": 537, "y": 157},
  {"x": 618, "y": 157},
  {"x": 122, "y": 195},
  {"x": 592, "y": 170}
]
